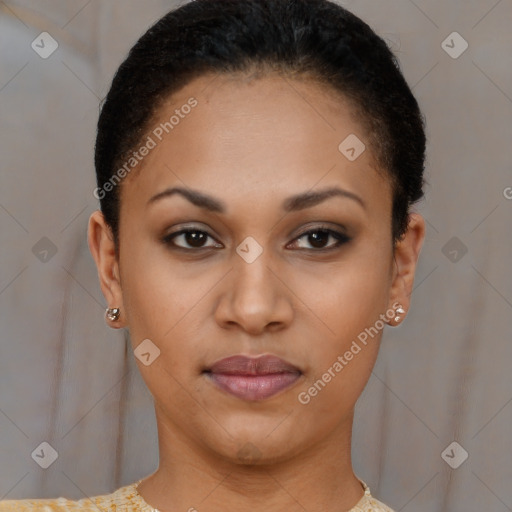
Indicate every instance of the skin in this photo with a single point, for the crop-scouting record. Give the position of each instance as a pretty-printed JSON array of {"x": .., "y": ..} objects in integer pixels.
[{"x": 252, "y": 143}]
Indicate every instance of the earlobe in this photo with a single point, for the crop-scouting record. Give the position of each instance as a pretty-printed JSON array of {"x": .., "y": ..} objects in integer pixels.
[
  {"x": 405, "y": 257},
  {"x": 102, "y": 247}
]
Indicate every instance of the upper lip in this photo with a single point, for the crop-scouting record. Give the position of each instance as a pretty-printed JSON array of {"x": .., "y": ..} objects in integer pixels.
[{"x": 244, "y": 365}]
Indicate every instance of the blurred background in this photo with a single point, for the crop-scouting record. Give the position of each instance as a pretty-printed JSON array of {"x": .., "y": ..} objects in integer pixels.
[{"x": 432, "y": 428}]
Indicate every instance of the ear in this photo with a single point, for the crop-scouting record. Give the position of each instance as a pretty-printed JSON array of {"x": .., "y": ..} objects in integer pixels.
[
  {"x": 405, "y": 257},
  {"x": 102, "y": 247}
]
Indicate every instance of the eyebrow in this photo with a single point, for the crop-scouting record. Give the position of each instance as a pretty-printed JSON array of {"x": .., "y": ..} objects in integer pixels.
[{"x": 293, "y": 203}]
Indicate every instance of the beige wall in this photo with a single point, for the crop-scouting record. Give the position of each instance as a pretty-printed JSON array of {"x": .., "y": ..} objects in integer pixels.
[{"x": 442, "y": 376}]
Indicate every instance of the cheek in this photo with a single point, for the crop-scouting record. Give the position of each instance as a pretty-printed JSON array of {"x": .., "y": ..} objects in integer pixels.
[
  {"x": 348, "y": 295},
  {"x": 348, "y": 302},
  {"x": 355, "y": 299},
  {"x": 156, "y": 295},
  {"x": 168, "y": 303},
  {"x": 342, "y": 360},
  {"x": 166, "y": 310}
]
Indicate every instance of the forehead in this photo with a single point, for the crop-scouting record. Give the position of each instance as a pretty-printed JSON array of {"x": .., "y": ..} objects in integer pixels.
[{"x": 250, "y": 138}]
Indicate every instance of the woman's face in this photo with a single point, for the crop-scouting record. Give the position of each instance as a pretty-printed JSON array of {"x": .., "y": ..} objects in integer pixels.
[{"x": 273, "y": 263}]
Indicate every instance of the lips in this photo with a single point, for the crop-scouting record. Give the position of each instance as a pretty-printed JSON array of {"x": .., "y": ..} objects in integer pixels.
[
  {"x": 243, "y": 365},
  {"x": 252, "y": 378}
]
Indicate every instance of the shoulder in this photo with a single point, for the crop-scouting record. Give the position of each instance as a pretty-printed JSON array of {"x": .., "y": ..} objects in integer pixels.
[
  {"x": 368, "y": 503},
  {"x": 118, "y": 501},
  {"x": 378, "y": 506}
]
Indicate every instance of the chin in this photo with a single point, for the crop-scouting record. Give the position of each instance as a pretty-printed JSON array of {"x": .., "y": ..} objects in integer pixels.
[{"x": 258, "y": 451}]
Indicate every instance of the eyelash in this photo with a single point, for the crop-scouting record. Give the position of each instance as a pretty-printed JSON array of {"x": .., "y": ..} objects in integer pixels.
[{"x": 341, "y": 239}]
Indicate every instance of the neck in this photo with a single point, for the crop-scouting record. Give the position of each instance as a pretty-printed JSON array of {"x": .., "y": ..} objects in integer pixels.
[{"x": 192, "y": 477}]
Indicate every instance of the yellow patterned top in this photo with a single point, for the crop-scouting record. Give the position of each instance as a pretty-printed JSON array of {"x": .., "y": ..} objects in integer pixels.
[{"x": 127, "y": 499}]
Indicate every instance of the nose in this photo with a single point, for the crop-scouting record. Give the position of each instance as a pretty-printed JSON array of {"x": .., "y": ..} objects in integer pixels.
[{"x": 254, "y": 297}]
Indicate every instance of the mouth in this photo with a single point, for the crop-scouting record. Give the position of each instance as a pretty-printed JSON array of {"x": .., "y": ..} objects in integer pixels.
[{"x": 252, "y": 378}]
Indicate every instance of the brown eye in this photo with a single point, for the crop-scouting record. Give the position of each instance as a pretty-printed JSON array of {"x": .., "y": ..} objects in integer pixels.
[
  {"x": 318, "y": 239},
  {"x": 191, "y": 238}
]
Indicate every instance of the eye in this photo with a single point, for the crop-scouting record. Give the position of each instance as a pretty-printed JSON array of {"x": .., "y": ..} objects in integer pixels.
[
  {"x": 195, "y": 239},
  {"x": 317, "y": 238}
]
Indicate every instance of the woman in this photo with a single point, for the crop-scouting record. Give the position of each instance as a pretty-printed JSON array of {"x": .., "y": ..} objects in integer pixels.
[{"x": 256, "y": 163}]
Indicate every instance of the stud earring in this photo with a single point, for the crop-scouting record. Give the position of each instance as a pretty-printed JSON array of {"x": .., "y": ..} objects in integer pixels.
[
  {"x": 113, "y": 314},
  {"x": 398, "y": 312}
]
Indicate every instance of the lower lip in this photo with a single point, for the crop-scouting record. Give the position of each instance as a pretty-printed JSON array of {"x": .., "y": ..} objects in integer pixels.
[{"x": 254, "y": 387}]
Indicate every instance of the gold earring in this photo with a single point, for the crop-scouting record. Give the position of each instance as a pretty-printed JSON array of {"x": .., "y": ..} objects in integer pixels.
[{"x": 113, "y": 314}]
